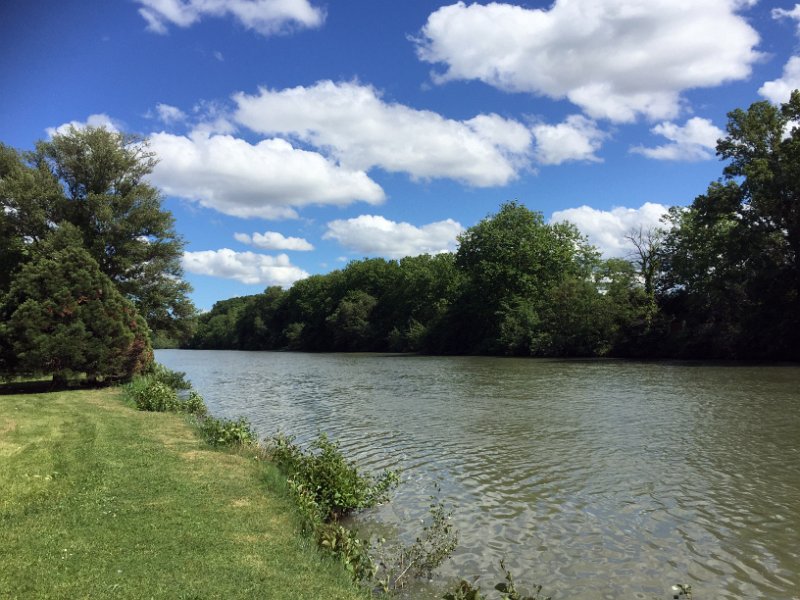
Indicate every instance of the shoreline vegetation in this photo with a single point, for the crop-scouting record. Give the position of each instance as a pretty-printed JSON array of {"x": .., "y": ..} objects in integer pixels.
[
  {"x": 107, "y": 498},
  {"x": 101, "y": 500}
]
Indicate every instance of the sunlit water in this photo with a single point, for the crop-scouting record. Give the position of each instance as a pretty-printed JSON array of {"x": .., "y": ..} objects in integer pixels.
[{"x": 596, "y": 479}]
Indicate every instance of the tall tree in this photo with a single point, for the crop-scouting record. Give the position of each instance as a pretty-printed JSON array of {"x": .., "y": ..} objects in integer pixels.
[
  {"x": 732, "y": 276},
  {"x": 95, "y": 179},
  {"x": 511, "y": 260}
]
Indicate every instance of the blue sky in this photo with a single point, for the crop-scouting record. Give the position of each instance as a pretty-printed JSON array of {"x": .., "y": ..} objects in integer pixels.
[{"x": 295, "y": 135}]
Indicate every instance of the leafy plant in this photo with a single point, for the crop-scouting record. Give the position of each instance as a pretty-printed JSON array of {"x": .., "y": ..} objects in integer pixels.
[
  {"x": 154, "y": 396},
  {"x": 464, "y": 591},
  {"x": 509, "y": 590},
  {"x": 227, "y": 432},
  {"x": 346, "y": 546},
  {"x": 174, "y": 379},
  {"x": 194, "y": 404},
  {"x": 403, "y": 563},
  {"x": 682, "y": 590},
  {"x": 334, "y": 484}
]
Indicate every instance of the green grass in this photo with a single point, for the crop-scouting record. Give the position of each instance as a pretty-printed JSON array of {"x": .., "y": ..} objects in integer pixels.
[{"x": 99, "y": 500}]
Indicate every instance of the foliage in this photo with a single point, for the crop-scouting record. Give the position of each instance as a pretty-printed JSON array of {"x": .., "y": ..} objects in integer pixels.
[
  {"x": 464, "y": 590},
  {"x": 222, "y": 432},
  {"x": 124, "y": 504},
  {"x": 509, "y": 590},
  {"x": 731, "y": 280},
  {"x": 95, "y": 180},
  {"x": 721, "y": 279},
  {"x": 62, "y": 316},
  {"x": 153, "y": 396},
  {"x": 174, "y": 379},
  {"x": 344, "y": 544},
  {"x": 400, "y": 563},
  {"x": 327, "y": 484},
  {"x": 153, "y": 393}
]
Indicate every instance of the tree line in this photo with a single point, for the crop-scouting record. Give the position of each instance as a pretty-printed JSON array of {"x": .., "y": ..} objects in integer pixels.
[
  {"x": 719, "y": 279},
  {"x": 90, "y": 275}
]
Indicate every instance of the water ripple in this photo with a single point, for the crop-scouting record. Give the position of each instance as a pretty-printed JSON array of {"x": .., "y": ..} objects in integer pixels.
[{"x": 597, "y": 479}]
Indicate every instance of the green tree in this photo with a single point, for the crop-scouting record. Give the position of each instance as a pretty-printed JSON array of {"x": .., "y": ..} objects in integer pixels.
[
  {"x": 511, "y": 261},
  {"x": 62, "y": 316},
  {"x": 28, "y": 197},
  {"x": 732, "y": 276},
  {"x": 219, "y": 328},
  {"x": 95, "y": 179}
]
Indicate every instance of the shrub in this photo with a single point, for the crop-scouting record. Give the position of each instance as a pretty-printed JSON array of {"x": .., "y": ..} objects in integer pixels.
[
  {"x": 151, "y": 393},
  {"x": 194, "y": 404},
  {"x": 154, "y": 396},
  {"x": 325, "y": 482},
  {"x": 227, "y": 432},
  {"x": 174, "y": 379}
]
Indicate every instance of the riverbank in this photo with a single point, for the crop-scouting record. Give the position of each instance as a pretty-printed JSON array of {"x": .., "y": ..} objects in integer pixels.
[{"x": 100, "y": 500}]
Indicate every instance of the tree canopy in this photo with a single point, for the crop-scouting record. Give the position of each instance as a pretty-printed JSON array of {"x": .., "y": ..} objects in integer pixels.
[{"x": 95, "y": 180}]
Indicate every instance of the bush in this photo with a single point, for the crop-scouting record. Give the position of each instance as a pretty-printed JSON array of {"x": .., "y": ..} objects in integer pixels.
[
  {"x": 195, "y": 405},
  {"x": 151, "y": 393},
  {"x": 154, "y": 396},
  {"x": 327, "y": 485},
  {"x": 174, "y": 379},
  {"x": 227, "y": 432}
]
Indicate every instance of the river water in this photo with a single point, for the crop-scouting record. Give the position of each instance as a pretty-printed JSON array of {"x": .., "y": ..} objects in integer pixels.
[{"x": 596, "y": 479}]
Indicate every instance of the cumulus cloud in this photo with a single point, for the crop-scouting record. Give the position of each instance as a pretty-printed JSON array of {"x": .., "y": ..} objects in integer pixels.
[
  {"x": 375, "y": 235},
  {"x": 96, "y": 120},
  {"x": 616, "y": 59},
  {"x": 779, "y": 90},
  {"x": 169, "y": 114},
  {"x": 270, "y": 179},
  {"x": 246, "y": 267},
  {"x": 606, "y": 229},
  {"x": 577, "y": 138},
  {"x": 266, "y": 17},
  {"x": 272, "y": 240},
  {"x": 361, "y": 130},
  {"x": 695, "y": 140}
]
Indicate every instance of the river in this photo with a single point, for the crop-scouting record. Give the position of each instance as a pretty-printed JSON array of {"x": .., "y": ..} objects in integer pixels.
[{"x": 596, "y": 479}]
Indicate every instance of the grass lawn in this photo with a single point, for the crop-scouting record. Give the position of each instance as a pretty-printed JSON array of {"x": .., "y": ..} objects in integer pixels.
[{"x": 98, "y": 500}]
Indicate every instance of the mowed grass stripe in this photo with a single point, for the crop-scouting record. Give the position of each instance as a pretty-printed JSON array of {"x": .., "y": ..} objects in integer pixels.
[{"x": 102, "y": 501}]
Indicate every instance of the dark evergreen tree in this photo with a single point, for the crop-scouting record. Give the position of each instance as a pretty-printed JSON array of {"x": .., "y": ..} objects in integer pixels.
[{"x": 63, "y": 317}]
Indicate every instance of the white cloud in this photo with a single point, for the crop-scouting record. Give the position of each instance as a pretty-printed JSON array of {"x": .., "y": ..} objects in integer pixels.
[
  {"x": 606, "y": 229},
  {"x": 169, "y": 114},
  {"x": 616, "y": 59},
  {"x": 272, "y": 240},
  {"x": 375, "y": 235},
  {"x": 695, "y": 140},
  {"x": 267, "y": 17},
  {"x": 577, "y": 138},
  {"x": 782, "y": 13},
  {"x": 96, "y": 120},
  {"x": 246, "y": 267},
  {"x": 269, "y": 179},
  {"x": 779, "y": 90},
  {"x": 361, "y": 130}
]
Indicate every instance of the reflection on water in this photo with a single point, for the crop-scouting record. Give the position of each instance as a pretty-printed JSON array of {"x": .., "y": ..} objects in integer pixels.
[{"x": 597, "y": 479}]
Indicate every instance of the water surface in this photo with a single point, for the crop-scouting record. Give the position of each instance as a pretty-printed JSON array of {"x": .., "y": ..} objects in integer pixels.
[{"x": 597, "y": 479}]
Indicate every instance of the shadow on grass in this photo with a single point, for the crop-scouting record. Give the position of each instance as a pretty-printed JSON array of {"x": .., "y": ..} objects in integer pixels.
[{"x": 43, "y": 386}]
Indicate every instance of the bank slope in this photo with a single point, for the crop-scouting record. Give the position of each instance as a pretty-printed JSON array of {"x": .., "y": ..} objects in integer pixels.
[{"x": 102, "y": 501}]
